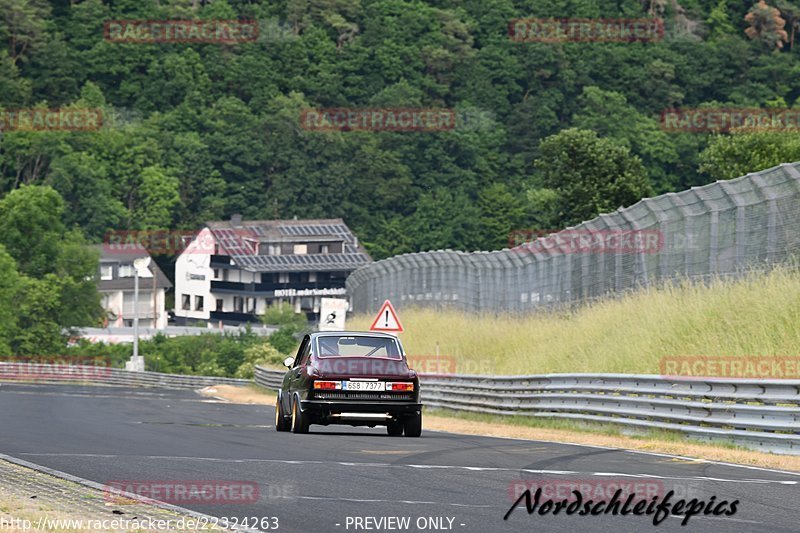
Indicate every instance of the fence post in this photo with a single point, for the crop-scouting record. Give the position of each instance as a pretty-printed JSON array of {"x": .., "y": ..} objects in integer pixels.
[{"x": 772, "y": 209}]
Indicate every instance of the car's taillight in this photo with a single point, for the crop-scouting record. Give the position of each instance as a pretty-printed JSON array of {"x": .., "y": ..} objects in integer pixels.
[
  {"x": 327, "y": 385},
  {"x": 400, "y": 386}
]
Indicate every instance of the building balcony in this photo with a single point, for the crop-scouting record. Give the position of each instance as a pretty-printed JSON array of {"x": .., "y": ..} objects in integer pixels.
[
  {"x": 233, "y": 318},
  {"x": 145, "y": 311},
  {"x": 221, "y": 261}
]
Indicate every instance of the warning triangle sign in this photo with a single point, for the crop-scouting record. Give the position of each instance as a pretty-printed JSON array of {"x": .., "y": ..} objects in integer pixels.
[{"x": 387, "y": 319}]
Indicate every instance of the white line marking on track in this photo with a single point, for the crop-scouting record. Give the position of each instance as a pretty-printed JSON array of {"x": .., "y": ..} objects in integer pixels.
[
  {"x": 430, "y": 467},
  {"x": 411, "y": 502},
  {"x": 637, "y": 452}
]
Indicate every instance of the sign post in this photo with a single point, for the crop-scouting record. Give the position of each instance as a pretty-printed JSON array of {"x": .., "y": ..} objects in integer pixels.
[
  {"x": 136, "y": 362},
  {"x": 387, "y": 320},
  {"x": 332, "y": 314}
]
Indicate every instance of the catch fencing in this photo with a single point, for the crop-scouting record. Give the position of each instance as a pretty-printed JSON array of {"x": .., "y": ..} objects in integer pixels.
[
  {"x": 757, "y": 414},
  {"x": 721, "y": 229}
]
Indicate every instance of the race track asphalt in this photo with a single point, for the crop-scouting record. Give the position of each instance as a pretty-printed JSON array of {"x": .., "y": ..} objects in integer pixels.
[{"x": 326, "y": 480}]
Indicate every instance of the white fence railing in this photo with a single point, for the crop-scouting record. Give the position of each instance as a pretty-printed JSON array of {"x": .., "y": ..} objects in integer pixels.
[{"x": 104, "y": 375}]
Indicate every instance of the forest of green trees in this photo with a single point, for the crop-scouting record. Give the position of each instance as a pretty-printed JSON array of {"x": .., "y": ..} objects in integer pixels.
[
  {"x": 548, "y": 133},
  {"x": 196, "y": 132}
]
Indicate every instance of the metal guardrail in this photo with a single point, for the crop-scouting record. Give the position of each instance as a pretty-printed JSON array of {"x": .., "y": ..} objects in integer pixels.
[
  {"x": 759, "y": 414},
  {"x": 268, "y": 378},
  {"x": 103, "y": 375}
]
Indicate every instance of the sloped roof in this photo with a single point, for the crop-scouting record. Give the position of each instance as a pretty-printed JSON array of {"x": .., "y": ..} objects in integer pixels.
[
  {"x": 126, "y": 257},
  {"x": 240, "y": 241}
]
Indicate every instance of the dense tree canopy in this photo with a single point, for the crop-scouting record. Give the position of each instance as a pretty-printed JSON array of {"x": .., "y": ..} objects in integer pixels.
[
  {"x": 48, "y": 274},
  {"x": 199, "y": 131}
]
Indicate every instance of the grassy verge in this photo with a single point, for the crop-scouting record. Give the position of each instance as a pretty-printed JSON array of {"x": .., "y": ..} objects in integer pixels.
[
  {"x": 755, "y": 316},
  {"x": 662, "y": 442},
  {"x": 32, "y": 500}
]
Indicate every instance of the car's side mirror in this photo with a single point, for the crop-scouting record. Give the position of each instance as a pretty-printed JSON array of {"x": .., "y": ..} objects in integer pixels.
[{"x": 288, "y": 362}]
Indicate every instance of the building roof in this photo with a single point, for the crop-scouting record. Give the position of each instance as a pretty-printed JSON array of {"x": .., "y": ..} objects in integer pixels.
[
  {"x": 126, "y": 257},
  {"x": 239, "y": 239}
]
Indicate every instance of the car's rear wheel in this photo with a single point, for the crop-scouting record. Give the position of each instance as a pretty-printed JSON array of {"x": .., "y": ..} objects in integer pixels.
[
  {"x": 412, "y": 426},
  {"x": 395, "y": 429},
  {"x": 299, "y": 420},
  {"x": 281, "y": 423}
]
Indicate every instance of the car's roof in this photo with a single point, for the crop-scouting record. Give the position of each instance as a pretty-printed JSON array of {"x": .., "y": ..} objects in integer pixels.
[{"x": 351, "y": 334}]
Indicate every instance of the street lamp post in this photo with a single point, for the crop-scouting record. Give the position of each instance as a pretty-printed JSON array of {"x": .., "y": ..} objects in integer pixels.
[
  {"x": 135, "y": 314},
  {"x": 139, "y": 263}
]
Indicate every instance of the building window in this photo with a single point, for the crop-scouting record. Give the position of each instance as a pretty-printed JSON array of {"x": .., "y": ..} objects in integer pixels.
[
  {"x": 298, "y": 277},
  {"x": 126, "y": 271},
  {"x": 251, "y": 305},
  {"x": 219, "y": 304},
  {"x": 198, "y": 303},
  {"x": 106, "y": 272},
  {"x": 274, "y": 249},
  {"x": 238, "y": 304},
  {"x": 186, "y": 302},
  {"x": 216, "y": 273},
  {"x": 300, "y": 249},
  {"x": 324, "y": 248}
]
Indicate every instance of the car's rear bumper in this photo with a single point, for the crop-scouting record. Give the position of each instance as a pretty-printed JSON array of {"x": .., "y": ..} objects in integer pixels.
[{"x": 359, "y": 406}]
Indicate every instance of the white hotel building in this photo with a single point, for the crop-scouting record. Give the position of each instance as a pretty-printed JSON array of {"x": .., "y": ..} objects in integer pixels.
[{"x": 234, "y": 270}]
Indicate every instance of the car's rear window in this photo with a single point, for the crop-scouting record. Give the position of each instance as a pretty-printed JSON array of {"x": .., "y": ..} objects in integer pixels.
[{"x": 357, "y": 346}]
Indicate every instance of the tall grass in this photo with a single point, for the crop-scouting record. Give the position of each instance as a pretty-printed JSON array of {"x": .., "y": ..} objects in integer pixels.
[{"x": 758, "y": 315}]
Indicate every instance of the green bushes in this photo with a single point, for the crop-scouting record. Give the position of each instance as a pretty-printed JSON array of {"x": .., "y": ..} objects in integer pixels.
[
  {"x": 291, "y": 326},
  {"x": 209, "y": 354}
]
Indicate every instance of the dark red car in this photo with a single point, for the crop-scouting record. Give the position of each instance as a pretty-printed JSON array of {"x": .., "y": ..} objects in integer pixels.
[{"x": 351, "y": 378}]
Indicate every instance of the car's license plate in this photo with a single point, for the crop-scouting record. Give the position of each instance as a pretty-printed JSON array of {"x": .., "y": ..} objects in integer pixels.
[{"x": 364, "y": 385}]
